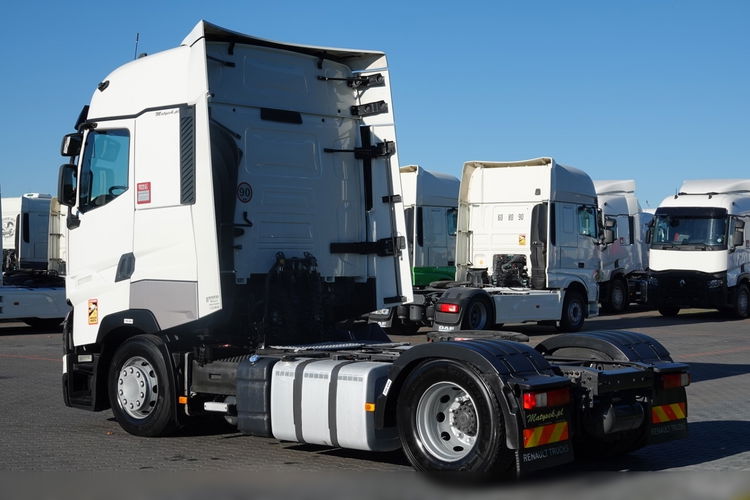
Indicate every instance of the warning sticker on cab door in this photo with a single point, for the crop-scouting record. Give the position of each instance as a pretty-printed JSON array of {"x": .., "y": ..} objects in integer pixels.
[
  {"x": 522, "y": 240},
  {"x": 143, "y": 193},
  {"x": 93, "y": 311}
]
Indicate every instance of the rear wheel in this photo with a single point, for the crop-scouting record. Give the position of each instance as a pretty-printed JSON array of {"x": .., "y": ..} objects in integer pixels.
[
  {"x": 573, "y": 313},
  {"x": 669, "y": 310},
  {"x": 477, "y": 314},
  {"x": 140, "y": 390},
  {"x": 742, "y": 301},
  {"x": 450, "y": 420}
]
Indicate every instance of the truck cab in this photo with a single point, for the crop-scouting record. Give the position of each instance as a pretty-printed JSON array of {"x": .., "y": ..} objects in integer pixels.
[
  {"x": 528, "y": 237},
  {"x": 624, "y": 260},
  {"x": 699, "y": 253}
]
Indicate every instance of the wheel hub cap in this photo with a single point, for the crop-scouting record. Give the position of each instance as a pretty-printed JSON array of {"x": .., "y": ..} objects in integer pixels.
[
  {"x": 137, "y": 387},
  {"x": 447, "y": 421}
]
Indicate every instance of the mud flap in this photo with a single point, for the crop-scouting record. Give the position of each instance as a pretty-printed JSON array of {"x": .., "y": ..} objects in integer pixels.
[{"x": 668, "y": 416}]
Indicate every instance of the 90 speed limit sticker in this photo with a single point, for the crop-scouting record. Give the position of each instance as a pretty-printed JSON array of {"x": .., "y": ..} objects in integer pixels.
[{"x": 244, "y": 192}]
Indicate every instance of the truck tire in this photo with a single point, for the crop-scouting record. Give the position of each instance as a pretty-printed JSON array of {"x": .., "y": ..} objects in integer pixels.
[
  {"x": 741, "y": 307},
  {"x": 669, "y": 310},
  {"x": 573, "y": 312},
  {"x": 45, "y": 324},
  {"x": 449, "y": 420},
  {"x": 477, "y": 314},
  {"x": 140, "y": 390},
  {"x": 617, "y": 300}
]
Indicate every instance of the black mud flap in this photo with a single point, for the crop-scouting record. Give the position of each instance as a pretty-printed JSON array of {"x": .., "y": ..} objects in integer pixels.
[
  {"x": 544, "y": 457},
  {"x": 668, "y": 416}
]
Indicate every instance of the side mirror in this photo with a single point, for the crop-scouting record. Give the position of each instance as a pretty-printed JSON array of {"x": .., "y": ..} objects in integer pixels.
[
  {"x": 71, "y": 145},
  {"x": 648, "y": 235},
  {"x": 66, "y": 186},
  {"x": 609, "y": 236}
]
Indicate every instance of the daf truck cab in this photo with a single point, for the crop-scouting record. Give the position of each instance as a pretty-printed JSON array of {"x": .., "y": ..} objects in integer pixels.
[
  {"x": 699, "y": 255},
  {"x": 527, "y": 247},
  {"x": 235, "y": 208},
  {"x": 624, "y": 260}
]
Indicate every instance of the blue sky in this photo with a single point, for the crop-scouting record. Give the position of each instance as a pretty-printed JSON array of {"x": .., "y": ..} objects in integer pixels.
[{"x": 653, "y": 90}]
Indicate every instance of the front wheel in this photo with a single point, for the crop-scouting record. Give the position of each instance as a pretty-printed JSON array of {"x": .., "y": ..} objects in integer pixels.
[
  {"x": 617, "y": 302},
  {"x": 669, "y": 310},
  {"x": 742, "y": 302},
  {"x": 449, "y": 420},
  {"x": 140, "y": 390},
  {"x": 573, "y": 313}
]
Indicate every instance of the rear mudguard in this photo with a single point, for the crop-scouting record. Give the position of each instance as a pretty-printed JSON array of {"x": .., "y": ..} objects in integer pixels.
[
  {"x": 666, "y": 415},
  {"x": 507, "y": 366},
  {"x": 462, "y": 296}
]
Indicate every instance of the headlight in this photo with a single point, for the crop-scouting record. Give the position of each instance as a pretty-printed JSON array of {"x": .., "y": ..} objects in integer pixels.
[{"x": 715, "y": 283}]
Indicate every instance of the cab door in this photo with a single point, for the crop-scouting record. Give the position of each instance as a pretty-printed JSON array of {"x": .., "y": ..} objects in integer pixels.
[{"x": 100, "y": 238}]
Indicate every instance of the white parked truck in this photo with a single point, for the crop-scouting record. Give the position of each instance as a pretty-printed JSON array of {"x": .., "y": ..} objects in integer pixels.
[
  {"x": 235, "y": 203},
  {"x": 623, "y": 279},
  {"x": 430, "y": 204},
  {"x": 699, "y": 254},
  {"x": 32, "y": 289},
  {"x": 527, "y": 247}
]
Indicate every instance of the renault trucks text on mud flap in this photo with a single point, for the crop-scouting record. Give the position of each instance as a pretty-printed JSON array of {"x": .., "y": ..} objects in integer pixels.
[
  {"x": 234, "y": 202},
  {"x": 699, "y": 254}
]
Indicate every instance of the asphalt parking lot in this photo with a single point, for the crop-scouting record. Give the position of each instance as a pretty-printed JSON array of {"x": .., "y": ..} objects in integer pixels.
[{"x": 41, "y": 434}]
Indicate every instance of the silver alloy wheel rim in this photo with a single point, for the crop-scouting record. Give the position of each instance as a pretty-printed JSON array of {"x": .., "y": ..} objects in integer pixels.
[
  {"x": 477, "y": 316},
  {"x": 137, "y": 387},
  {"x": 447, "y": 421}
]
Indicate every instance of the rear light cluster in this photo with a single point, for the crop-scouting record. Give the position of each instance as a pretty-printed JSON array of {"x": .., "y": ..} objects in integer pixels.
[
  {"x": 555, "y": 397},
  {"x": 444, "y": 307},
  {"x": 674, "y": 380}
]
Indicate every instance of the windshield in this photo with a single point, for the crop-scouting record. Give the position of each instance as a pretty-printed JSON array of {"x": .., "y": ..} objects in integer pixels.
[{"x": 688, "y": 232}]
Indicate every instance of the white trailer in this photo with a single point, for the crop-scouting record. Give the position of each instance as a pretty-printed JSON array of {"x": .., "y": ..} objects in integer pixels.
[
  {"x": 527, "y": 247},
  {"x": 30, "y": 290},
  {"x": 699, "y": 253},
  {"x": 248, "y": 194},
  {"x": 624, "y": 261}
]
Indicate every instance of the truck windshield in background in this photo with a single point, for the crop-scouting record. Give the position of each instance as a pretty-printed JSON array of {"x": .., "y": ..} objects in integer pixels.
[{"x": 688, "y": 232}]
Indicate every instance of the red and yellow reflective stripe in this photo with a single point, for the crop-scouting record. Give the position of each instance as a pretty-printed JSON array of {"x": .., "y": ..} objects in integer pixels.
[
  {"x": 545, "y": 434},
  {"x": 667, "y": 413}
]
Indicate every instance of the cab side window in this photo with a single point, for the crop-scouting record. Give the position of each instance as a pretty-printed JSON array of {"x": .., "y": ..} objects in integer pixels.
[
  {"x": 587, "y": 221},
  {"x": 104, "y": 168}
]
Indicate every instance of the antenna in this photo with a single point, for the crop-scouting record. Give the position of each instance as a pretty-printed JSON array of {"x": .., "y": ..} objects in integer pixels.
[{"x": 137, "y": 38}]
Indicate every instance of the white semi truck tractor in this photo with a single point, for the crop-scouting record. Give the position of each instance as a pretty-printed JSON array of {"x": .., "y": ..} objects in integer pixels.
[
  {"x": 32, "y": 286},
  {"x": 234, "y": 208},
  {"x": 624, "y": 260},
  {"x": 431, "y": 210},
  {"x": 699, "y": 253},
  {"x": 527, "y": 248}
]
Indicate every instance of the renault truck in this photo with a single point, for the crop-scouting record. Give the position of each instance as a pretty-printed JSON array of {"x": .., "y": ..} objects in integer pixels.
[
  {"x": 234, "y": 210},
  {"x": 699, "y": 255}
]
